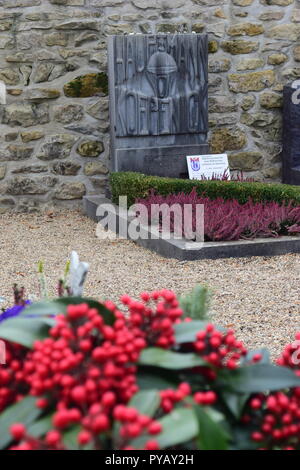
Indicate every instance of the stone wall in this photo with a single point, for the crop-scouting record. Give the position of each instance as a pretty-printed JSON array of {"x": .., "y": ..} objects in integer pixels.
[{"x": 54, "y": 143}]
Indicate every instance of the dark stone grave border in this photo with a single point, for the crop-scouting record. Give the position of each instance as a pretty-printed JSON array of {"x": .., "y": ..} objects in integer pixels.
[{"x": 182, "y": 250}]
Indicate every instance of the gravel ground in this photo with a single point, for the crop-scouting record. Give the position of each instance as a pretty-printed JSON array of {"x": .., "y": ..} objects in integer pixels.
[{"x": 258, "y": 297}]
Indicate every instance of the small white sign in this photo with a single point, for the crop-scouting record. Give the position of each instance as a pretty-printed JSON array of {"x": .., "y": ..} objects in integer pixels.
[{"x": 208, "y": 166}]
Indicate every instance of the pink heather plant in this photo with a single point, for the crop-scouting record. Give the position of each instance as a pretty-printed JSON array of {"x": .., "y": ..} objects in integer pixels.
[{"x": 226, "y": 220}]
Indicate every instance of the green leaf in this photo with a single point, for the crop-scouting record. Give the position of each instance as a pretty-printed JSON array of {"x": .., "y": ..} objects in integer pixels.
[
  {"x": 196, "y": 303},
  {"x": 169, "y": 360},
  {"x": 241, "y": 439},
  {"x": 179, "y": 426},
  {"x": 235, "y": 402},
  {"x": 70, "y": 438},
  {"x": 265, "y": 353},
  {"x": 41, "y": 427},
  {"x": 45, "y": 308},
  {"x": 24, "y": 412},
  {"x": 25, "y": 331},
  {"x": 186, "y": 332},
  {"x": 212, "y": 435},
  {"x": 259, "y": 378},
  {"x": 158, "y": 379},
  {"x": 59, "y": 306},
  {"x": 146, "y": 402}
]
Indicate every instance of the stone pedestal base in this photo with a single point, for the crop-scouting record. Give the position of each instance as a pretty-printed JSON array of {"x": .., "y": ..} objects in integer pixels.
[{"x": 163, "y": 161}]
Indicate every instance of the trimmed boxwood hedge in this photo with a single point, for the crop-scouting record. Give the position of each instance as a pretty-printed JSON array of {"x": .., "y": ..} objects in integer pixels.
[{"x": 137, "y": 185}]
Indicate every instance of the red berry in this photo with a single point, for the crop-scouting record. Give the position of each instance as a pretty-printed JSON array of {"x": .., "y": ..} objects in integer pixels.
[
  {"x": 255, "y": 404},
  {"x": 154, "y": 428},
  {"x": 119, "y": 412},
  {"x": 84, "y": 437},
  {"x": 53, "y": 438},
  {"x": 108, "y": 399},
  {"x": 131, "y": 414},
  {"x": 125, "y": 299},
  {"x": 79, "y": 394},
  {"x": 100, "y": 423},
  {"x": 231, "y": 364},
  {"x": 185, "y": 388},
  {"x": 145, "y": 296},
  {"x": 18, "y": 431},
  {"x": 152, "y": 445},
  {"x": 277, "y": 434},
  {"x": 199, "y": 398},
  {"x": 42, "y": 403},
  {"x": 210, "y": 398},
  {"x": 133, "y": 430},
  {"x": 85, "y": 345},
  {"x": 257, "y": 357},
  {"x": 257, "y": 436},
  {"x": 61, "y": 419},
  {"x": 74, "y": 415}
]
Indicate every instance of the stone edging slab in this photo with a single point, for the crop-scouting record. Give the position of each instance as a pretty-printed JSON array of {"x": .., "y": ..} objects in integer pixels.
[{"x": 181, "y": 250}]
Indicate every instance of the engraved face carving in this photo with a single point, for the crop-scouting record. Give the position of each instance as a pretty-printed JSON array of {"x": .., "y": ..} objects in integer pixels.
[
  {"x": 160, "y": 66},
  {"x": 161, "y": 85}
]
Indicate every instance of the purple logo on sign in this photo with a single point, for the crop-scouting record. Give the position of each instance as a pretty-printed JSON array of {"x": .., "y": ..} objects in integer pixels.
[{"x": 195, "y": 164}]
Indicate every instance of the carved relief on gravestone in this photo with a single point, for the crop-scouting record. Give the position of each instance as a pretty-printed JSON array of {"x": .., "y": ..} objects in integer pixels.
[{"x": 158, "y": 90}]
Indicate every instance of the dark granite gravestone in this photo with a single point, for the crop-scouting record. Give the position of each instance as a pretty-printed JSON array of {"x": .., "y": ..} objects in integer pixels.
[
  {"x": 291, "y": 134},
  {"x": 158, "y": 102}
]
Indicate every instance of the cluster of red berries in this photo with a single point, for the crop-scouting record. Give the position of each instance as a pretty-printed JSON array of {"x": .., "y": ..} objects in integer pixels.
[
  {"x": 279, "y": 427},
  {"x": 11, "y": 374},
  {"x": 52, "y": 440},
  {"x": 134, "y": 425},
  {"x": 86, "y": 367},
  {"x": 155, "y": 315},
  {"x": 86, "y": 372},
  {"x": 277, "y": 417},
  {"x": 291, "y": 356},
  {"x": 220, "y": 349},
  {"x": 84, "y": 358},
  {"x": 205, "y": 398},
  {"x": 170, "y": 397}
]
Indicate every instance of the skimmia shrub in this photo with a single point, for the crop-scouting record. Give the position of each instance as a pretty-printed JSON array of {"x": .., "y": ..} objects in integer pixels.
[
  {"x": 141, "y": 375},
  {"x": 146, "y": 376},
  {"x": 86, "y": 371},
  {"x": 227, "y": 219}
]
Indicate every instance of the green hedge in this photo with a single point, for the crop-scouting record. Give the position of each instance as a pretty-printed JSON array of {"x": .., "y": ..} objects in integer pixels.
[{"x": 137, "y": 185}]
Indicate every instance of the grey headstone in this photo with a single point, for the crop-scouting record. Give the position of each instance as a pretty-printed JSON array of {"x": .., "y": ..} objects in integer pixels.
[
  {"x": 158, "y": 102},
  {"x": 291, "y": 134}
]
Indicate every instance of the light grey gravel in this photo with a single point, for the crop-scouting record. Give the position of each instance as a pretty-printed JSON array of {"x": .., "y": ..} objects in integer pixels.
[{"x": 258, "y": 297}]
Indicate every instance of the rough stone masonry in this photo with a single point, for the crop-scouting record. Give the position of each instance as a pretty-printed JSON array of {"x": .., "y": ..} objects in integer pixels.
[{"x": 54, "y": 141}]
